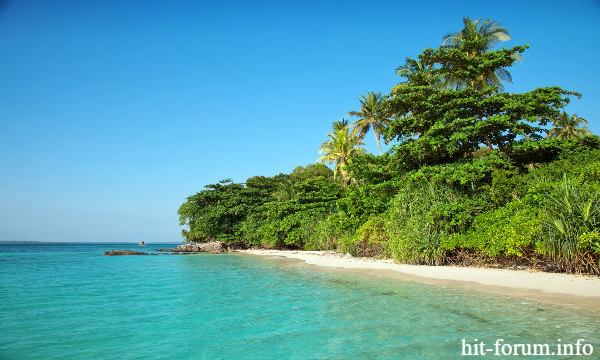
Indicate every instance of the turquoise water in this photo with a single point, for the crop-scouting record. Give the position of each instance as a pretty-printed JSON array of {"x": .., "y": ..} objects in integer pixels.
[{"x": 66, "y": 301}]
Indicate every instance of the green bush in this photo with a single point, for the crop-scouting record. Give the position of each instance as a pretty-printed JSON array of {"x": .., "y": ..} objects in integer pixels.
[
  {"x": 511, "y": 230},
  {"x": 590, "y": 175},
  {"x": 572, "y": 213},
  {"x": 507, "y": 185},
  {"x": 462, "y": 174},
  {"x": 363, "y": 201},
  {"x": 327, "y": 233},
  {"x": 415, "y": 242},
  {"x": 413, "y": 230},
  {"x": 369, "y": 240},
  {"x": 524, "y": 152},
  {"x": 590, "y": 240},
  {"x": 570, "y": 162}
]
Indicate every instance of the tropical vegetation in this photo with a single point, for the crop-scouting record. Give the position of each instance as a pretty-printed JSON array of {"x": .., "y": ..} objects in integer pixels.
[
  {"x": 475, "y": 174},
  {"x": 568, "y": 127},
  {"x": 340, "y": 148},
  {"x": 371, "y": 116}
]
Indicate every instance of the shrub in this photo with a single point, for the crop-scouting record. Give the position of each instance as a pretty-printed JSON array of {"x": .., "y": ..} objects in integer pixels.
[
  {"x": 511, "y": 230},
  {"x": 572, "y": 217},
  {"x": 365, "y": 200},
  {"x": 369, "y": 240},
  {"x": 507, "y": 185},
  {"x": 414, "y": 232},
  {"x": 326, "y": 235},
  {"x": 415, "y": 242},
  {"x": 570, "y": 162},
  {"x": 462, "y": 174}
]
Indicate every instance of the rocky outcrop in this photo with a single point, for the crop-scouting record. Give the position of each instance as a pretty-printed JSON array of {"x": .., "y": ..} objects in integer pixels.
[
  {"x": 213, "y": 247},
  {"x": 125, "y": 252},
  {"x": 130, "y": 252},
  {"x": 237, "y": 246}
]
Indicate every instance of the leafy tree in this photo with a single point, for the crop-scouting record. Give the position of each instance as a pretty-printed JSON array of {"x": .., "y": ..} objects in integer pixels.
[
  {"x": 443, "y": 125},
  {"x": 371, "y": 169},
  {"x": 471, "y": 179},
  {"x": 566, "y": 127},
  {"x": 413, "y": 68},
  {"x": 217, "y": 212},
  {"x": 360, "y": 202},
  {"x": 213, "y": 212},
  {"x": 285, "y": 188},
  {"x": 281, "y": 223},
  {"x": 485, "y": 35},
  {"x": 371, "y": 117},
  {"x": 303, "y": 173},
  {"x": 526, "y": 152},
  {"x": 339, "y": 149}
]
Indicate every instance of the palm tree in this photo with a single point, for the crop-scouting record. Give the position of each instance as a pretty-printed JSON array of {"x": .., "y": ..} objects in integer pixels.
[
  {"x": 340, "y": 125},
  {"x": 485, "y": 35},
  {"x": 340, "y": 148},
  {"x": 414, "y": 68},
  {"x": 566, "y": 127},
  {"x": 371, "y": 117},
  {"x": 285, "y": 190}
]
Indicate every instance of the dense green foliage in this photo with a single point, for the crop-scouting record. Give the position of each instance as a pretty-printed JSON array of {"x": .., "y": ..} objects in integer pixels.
[
  {"x": 474, "y": 173},
  {"x": 267, "y": 210}
]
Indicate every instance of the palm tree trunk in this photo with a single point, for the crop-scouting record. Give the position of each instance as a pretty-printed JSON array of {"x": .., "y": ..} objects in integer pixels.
[
  {"x": 377, "y": 139},
  {"x": 344, "y": 173}
]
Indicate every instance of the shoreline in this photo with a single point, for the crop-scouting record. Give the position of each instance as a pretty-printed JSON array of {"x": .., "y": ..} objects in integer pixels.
[{"x": 576, "y": 291}]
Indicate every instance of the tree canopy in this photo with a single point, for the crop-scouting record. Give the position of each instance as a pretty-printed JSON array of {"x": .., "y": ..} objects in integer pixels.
[{"x": 445, "y": 124}]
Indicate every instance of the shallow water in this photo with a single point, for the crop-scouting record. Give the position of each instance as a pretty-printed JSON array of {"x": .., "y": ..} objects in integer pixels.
[{"x": 67, "y": 301}]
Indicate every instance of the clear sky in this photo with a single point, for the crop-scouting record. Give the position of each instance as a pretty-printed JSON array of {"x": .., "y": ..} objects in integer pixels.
[{"x": 113, "y": 112}]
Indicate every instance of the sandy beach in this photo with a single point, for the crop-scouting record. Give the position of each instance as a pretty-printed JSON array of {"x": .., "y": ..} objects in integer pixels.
[{"x": 577, "y": 291}]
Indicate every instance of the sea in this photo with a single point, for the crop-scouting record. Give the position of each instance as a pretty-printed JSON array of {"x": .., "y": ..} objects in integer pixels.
[{"x": 69, "y": 301}]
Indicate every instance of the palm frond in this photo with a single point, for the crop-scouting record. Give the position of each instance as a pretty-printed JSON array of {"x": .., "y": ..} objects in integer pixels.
[
  {"x": 567, "y": 127},
  {"x": 339, "y": 149},
  {"x": 487, "y": 34},
  {"x": 504, "y": 75}
]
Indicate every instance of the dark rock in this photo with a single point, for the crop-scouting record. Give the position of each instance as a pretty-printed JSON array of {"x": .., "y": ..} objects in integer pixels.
[
  {"x": 125, "y": 252},
  {"x": 213, "y": 247},
  {"x": 237, "y": 246}
]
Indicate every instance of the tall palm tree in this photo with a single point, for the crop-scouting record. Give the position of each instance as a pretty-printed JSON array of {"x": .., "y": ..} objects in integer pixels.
[
  {"x": 485, "y": 36},
  {"x": 371, "y": 117},
  {"x": 340, "y": 148},
  {"x": 567, "y": 127}
]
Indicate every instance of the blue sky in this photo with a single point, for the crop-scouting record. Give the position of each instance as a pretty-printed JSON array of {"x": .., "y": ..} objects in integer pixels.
[{"x": 113, "y": 112}]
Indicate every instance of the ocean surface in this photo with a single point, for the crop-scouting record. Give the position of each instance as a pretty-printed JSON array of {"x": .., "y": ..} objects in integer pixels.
[{"x": 69, "y": 301}]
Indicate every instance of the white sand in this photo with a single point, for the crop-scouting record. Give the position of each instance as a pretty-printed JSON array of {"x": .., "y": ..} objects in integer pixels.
[{"x": 578, "y": 290}]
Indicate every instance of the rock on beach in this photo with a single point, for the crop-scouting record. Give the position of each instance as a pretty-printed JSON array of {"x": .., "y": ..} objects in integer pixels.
[
  {"x": 125, "y": 252},
  {"x": 213, "y": 247}
]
